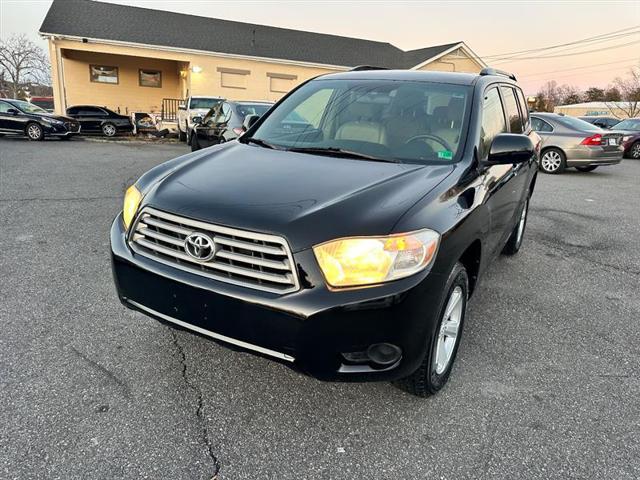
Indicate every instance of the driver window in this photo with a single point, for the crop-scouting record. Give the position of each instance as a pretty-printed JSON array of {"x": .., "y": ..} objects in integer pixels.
[
  {"x": 4, "y": 107},
  {"x": 493, "y": 121}
]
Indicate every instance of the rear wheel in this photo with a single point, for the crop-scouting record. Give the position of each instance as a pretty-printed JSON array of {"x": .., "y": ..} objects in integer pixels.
[
  {"x": 553, "y": 161},
  {"x": 515, "y": 240},
  {"x": 436, "y": 366},
  {"x": 109, "y": 130},
  {"x": 589, "y": 168},
  {"x": 634, "y": 151},
  {"x": 34, "y": 132}
]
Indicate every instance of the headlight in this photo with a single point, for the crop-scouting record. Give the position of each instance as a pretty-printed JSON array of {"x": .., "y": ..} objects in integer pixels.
[
  {"x": 349, "y": 262},
  {"x": 626, "y": 138},
  {"x": 52, "y": 121},
  {"x": 132, "y": 199}
]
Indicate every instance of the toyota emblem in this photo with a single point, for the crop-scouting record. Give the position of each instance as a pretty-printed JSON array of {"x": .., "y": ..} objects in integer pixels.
[{"x": 200, "y": 246}]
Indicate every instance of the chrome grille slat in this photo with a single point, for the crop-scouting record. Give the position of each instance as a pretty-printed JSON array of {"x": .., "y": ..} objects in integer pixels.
[{"x": 254, "y": 260}]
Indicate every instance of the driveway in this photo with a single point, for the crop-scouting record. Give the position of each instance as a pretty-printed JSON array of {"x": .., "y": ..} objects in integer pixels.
[{"x": 546, "y": 384}]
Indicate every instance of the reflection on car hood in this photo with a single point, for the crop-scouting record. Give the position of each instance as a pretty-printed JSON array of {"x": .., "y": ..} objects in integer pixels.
[
  {"x": 306, "y": 198},
  {"x": 55, "y": 117}
]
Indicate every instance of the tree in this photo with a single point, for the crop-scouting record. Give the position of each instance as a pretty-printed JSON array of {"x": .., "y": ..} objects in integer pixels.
[
  {"x": 22, "y": 61},
  {"x": 594, "y": 94},
  {"x": 548, "y": 97},
  {"x": 569, "y": 95},
  {"x": 612, "y": 94},
  {"x": 629, "y": 88}
]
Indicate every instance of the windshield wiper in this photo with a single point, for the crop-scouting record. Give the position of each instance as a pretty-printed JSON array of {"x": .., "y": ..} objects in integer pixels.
[
  {"x": 340, "y": 152},
  {"x": 262, "y": 143}
]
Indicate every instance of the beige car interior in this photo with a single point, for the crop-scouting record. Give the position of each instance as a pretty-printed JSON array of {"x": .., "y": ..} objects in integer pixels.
[{"x": 405, "y": 118}]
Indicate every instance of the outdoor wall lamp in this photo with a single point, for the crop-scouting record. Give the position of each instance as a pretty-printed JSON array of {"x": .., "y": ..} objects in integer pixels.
[{"x": 196, "y": 69}]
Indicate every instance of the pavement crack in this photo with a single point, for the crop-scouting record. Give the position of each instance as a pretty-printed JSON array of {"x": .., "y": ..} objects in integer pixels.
[{"x": 206, "y": 438}]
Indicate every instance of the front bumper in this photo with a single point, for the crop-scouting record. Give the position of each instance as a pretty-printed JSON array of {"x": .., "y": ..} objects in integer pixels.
[
  {"x": 64, "y": 130},
  {"x": 309, "y": 329}
]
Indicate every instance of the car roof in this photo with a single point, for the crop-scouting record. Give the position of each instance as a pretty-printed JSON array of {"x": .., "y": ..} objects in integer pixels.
[{"x": 410, "y": 75}]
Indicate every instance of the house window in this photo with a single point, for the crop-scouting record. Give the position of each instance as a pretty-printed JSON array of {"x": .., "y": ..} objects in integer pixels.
[
  {"x": 150, "y": 78},
  {"x": 281, "y": 82},
  {"x": 233, "y": 78},
  {"x": 103, "y": 74}
]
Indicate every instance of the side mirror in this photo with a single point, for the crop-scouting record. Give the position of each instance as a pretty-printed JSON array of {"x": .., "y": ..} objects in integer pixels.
[
  {"x": 197, "y": 120},
  {"x": 182, "y": 106},
  {"x": 249, "y": 120},
  {"x": 509, "y": 148},
  {"x": 12, "y": 111}
]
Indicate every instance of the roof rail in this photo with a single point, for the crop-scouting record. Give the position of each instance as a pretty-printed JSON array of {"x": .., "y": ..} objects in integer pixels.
[
  {"x": 361, "y": 68},
  {"x": 495, "y": 71}
]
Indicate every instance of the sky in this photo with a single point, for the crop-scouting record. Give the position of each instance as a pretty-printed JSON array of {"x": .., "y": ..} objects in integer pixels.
[{"x": 490, "y": 28}]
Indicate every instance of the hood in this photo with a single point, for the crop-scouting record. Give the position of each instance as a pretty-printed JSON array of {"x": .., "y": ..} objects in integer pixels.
[
  {"x": 307, "y": 199},
  {"x": 62, "y": 118},
  {"x": 625, "y": 132}
]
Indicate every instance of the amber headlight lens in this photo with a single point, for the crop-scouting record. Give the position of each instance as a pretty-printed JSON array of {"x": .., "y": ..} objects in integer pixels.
[
  {"x": 132, "y": 199},
  {"x": 350, "y": 262}
]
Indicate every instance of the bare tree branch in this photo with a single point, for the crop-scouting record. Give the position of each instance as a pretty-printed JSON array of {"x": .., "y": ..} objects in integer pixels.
[
  {"x": 629, "y": 88},
  {"x": 23, "y": 61}
]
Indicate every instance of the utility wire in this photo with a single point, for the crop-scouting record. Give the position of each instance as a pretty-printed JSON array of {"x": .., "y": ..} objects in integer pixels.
[
  {"x": 570, "y": 54},
  {"x": 577, "y": 68}
]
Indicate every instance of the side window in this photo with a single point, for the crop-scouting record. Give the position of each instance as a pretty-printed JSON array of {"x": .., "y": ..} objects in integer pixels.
[
  {"x": 72, "y": 111},
  {"x": 4, "y": 107},
  {"x": 513, "y": 112},
  {"x": 492, "y": 120},
  {"x": 540, "y": 125},
  {"x": 524, "y": 108}
]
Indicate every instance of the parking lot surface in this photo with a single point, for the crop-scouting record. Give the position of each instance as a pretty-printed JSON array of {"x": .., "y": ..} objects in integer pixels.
[{"x": 546, "y": 384}]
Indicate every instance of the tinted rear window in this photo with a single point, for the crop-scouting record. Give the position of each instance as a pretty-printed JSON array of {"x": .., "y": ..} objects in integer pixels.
[
  {"x": 513, "y": 113},
  {"x": 577, "y": 124}
]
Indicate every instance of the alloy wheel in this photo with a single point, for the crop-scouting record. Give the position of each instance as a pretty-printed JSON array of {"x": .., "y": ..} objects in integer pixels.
[
  {"x": 521, "y": 223},
  {"x": 109, "y": 130},
  {"x": 449, "y": 330},
  {"x": 635, "y": 150},
  {"x": 34, "y": 131},
  {"x": 551, "y": 161}
]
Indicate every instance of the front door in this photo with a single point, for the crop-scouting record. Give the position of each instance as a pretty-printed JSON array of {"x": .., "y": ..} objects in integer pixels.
[{"x": 10, "y": 121}]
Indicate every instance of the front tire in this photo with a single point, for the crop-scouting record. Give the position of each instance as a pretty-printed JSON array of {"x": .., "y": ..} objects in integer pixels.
[
  {"x": 195, "y": 145},
  {"x": 34, "y": 132},
  {"x": 553, "y": 161},
  {"x": 182, "y": 136},
  {"x": 588, "y": 168},
  {"x": 436, "y": 366},
  {"x": 109, "y": 130},
  {"x": 634, "y": 151}
]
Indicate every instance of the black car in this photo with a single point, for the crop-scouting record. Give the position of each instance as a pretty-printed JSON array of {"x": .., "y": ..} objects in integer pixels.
[
  {"x": 224, "y": 122},
  {"x": 629, "y": 128},
  {"x": 347, "y": 249},
  {"x": 100, "y": 120},
  {"x": 18, "y": 117},
  {"x": 603, "y": 122}
]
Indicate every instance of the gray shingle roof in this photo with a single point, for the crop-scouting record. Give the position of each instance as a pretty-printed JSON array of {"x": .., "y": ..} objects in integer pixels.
[{"x": 107, "y": 21}]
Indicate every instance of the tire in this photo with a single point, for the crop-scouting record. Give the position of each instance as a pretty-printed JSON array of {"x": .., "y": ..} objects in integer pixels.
[
  {"x": 634, "y": 151},
  {"x": 109, "y": 130},
  {"x": 34, "y": 132},
  {"x": 182, "y": 136},
  {"x": 588, "y": 168},
  {"x": 553, "y": 161},
  {"x": 195, "y": 145},
  {"x": 436, "y": 366},
  {"x": 189, "y": 135},
  {"x": 515, "y": 239}
]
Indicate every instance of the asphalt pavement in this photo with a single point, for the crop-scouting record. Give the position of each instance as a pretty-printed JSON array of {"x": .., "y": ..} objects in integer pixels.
[{"x": 546, "y": 384}]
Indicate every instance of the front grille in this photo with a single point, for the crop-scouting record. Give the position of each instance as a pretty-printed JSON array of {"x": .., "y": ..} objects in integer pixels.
[
  {"x": 72, "y": 126},
  {"x": 249, "y": 259}
]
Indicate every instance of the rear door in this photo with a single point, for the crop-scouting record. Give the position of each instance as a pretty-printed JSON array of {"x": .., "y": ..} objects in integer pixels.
[
  {"x": 91, "y": 118},
  {"x": 9, "y": 122}
]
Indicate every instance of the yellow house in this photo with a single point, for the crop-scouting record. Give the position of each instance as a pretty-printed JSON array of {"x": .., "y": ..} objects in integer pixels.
[{"x": 131, "y": 59}]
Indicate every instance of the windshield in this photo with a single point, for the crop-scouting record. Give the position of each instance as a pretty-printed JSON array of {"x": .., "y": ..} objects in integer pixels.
[
  {"x": 577, "y": 124},
  {"x": 245, "y": 109},
  {"x": 27, "y": 107},
  {"x": 628, "y": 124},
  {"x": 204, "y": 102},
  {"x": 415, "y": 122}
]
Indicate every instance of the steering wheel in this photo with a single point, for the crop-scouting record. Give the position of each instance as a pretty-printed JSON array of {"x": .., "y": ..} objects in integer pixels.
[{"x": 429, "y": 136}]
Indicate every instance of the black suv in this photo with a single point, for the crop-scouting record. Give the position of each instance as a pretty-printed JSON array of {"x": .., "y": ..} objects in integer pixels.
[
  {"x": 224, "y": 122},
  {"x": 100, "y": 120},
  {"x": 349, "y": 245}
]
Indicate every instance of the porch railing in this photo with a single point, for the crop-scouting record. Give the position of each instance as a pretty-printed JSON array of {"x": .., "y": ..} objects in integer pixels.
[{"x": 170, "y": 109}]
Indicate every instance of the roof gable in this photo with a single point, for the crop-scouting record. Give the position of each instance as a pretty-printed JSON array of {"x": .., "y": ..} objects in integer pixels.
[{"x": 122, "y": 23}]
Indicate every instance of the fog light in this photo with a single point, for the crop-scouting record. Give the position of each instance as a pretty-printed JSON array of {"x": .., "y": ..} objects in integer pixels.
[{"x": 384, "y": 354}]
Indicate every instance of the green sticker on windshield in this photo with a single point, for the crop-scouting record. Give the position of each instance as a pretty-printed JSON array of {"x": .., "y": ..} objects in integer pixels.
[{"x": 445, "y": 154}]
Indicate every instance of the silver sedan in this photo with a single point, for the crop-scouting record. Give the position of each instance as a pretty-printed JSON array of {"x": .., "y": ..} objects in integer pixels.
[{"x": 571, "y": 142}]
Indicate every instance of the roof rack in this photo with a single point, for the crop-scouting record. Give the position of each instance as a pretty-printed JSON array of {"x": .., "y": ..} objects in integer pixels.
[
  {"x": 361, "y": 68},
  {"x": 495, "y": 71}
]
